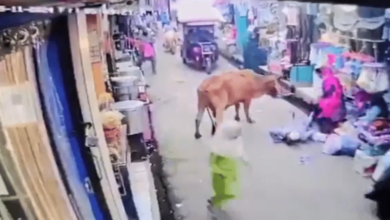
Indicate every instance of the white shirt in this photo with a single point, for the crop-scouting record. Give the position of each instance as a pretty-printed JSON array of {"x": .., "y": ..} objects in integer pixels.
[{"x": 292, "y": 14}]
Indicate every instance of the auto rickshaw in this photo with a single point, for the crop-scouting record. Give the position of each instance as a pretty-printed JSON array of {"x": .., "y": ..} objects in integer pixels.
[{"x": 199, "y": 48}]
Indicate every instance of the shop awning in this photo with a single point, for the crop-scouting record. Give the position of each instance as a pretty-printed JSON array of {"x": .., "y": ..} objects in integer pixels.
[
  {"x": 55, "y": 2},
  {"x": 371, "y": 3},
  {"x": 188, "y": 11}
]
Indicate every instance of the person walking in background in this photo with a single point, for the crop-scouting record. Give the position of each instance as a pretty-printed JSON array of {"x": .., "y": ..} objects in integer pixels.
[
  {"x": 254, "y": 56},
  {"x": 165, "y": 19},
  {"x": 226, "y": 153},
  {"x": 147, "y": 50}
]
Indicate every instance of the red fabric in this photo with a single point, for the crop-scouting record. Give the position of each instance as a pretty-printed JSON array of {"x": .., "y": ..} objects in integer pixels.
[
  {"x": 234, "y": 33},
  {"x": 331, "y": 59},
  {"x": 359, "y": 56}
]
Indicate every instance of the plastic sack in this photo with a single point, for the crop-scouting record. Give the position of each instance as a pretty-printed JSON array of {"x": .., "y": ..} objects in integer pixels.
[
  {"x": 332, "y": 144},
  {"x": 373, "y": 82},
  {"x": 382, "y": 166}
]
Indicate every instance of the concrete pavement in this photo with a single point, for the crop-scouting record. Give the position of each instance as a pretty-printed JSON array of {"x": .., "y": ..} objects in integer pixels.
[{"x": 276, "y": 187}]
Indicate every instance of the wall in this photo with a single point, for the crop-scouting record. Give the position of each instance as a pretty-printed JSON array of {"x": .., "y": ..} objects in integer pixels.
[{"x": 94, "y": 25}]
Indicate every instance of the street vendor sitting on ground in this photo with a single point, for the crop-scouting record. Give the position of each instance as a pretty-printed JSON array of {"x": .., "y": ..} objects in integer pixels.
[{"x": 331, "y": 109}]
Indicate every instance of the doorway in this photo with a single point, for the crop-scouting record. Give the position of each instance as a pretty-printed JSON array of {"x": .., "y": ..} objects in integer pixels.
[{"x": 61, "y": 108}]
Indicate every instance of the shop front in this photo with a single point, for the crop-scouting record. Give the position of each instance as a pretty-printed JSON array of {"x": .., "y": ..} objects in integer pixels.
[
  {"x": 42, "y": 175},
  {"x": 120, "y": 124}
]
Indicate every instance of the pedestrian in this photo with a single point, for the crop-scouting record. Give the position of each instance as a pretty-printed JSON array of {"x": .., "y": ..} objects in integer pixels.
[
  {"x": 147, "y": 50},
  {"x": 165, "y": 19},
  {"x": 226, "y": 154},
  {"x": 253, "y": 55}
]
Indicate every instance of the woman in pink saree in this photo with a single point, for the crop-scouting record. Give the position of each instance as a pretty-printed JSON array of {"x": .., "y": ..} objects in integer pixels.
[{"x": 331, "y": 108}]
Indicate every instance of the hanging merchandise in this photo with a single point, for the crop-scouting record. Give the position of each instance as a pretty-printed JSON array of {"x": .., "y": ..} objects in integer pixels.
[
  {"x": 361, "y": 17},
  {"x": 241, "y": 26},
  {"x": 386, "y": 27},
  {"x": 319, "y": 54},
  {"x": 292, "y": 13},
  {"x": 27, "y": 137}
]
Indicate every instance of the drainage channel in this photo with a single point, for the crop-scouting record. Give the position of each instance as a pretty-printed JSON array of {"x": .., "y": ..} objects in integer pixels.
[{"x": 164, "y": 196}]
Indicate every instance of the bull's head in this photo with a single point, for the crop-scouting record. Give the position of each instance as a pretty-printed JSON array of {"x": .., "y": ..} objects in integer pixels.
[{"x": 276, "y": 86}]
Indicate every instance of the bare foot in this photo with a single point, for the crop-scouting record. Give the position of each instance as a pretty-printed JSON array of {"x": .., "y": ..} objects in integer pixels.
[
  {"x": 250, "y": 121},
  {"x": 197, "y": 135}
]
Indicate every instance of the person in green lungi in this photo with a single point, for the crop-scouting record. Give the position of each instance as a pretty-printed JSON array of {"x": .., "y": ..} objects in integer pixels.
[{"x": 227, "y": 153}]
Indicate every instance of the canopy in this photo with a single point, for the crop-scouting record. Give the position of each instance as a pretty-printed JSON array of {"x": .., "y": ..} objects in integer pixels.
[{"x": 188, "y": 11}]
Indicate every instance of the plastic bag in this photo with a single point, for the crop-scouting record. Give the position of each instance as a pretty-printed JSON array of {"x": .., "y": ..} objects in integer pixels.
[
  {"x": 383, "y": 165},
  {"x": 373, "y": 82},
  {"x": 332, "y": 144}
]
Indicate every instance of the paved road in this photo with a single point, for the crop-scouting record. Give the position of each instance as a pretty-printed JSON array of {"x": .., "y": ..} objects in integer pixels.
[{"x": 277, "y": 187}]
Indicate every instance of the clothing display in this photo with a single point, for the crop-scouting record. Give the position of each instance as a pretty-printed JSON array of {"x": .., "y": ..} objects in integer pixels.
[
  {"x": 364, "y": 18},
  {"x": 292, "y": 14},
  {"x": 386, "y": 29},
  {"x": 292, "y": 46},
  {"x": 312, "y": 9},
  {"x": 319, "y": 54},
  {"x": 313, "y": 31},
  {"x": 370, "y": 12},
  {"x": 368, "y": 34},
  {"x": 292, "y": 32},
  {"x": 304, "y": 34}
]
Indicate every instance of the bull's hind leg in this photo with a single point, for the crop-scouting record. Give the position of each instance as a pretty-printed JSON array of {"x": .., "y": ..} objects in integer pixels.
[
  {"x": 198, "y": 120},
  {"x": 247, "y": 104}
]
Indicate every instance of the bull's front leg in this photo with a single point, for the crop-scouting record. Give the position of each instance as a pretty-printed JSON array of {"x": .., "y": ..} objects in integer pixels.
[
  {"x": 247, "y": 104},
  {"x": 237, "y": 108}
]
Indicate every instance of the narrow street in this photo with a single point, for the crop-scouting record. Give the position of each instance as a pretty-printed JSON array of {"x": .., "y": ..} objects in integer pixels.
[{"x": 276, "y": 186}]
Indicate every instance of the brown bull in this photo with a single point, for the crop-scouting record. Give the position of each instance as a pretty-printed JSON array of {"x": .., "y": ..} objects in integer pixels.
[{"x": 219, "y": 92}]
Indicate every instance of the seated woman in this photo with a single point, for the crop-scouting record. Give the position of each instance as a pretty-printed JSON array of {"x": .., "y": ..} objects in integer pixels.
[
  {"x": 371, "y": 106},
  {"x": 254, "y": 56},
  {"x": 331, "y": 107}
]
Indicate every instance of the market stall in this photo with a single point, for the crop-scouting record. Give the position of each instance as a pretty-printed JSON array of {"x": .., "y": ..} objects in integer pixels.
[{"x": 352, "y": 48}]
